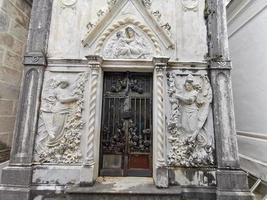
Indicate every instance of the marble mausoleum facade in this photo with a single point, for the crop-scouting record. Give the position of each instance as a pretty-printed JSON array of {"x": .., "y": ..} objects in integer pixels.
[{"x": 126, "y": 88}]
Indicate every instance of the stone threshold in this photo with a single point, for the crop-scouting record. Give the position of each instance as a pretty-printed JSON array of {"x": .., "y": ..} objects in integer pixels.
[{"x": 134, "y": 185}]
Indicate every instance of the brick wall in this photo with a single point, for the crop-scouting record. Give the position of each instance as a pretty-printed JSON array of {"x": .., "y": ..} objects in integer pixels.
[{"x": 14, "y": 22}]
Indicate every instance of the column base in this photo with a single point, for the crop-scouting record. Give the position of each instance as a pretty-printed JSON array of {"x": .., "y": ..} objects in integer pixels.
[
  {"x": 17, "y": 176},
  {"x": 233, "y": 185},
  {"x": 14, "y": 193},
  {"x": 162, "y": 177},
  {"x": 87, "y": 176},
  {"x": 221, "y": 195}
]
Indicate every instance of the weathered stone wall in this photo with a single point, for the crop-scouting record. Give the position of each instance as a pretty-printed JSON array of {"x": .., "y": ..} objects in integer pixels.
[{"x": 14, "y": 22}]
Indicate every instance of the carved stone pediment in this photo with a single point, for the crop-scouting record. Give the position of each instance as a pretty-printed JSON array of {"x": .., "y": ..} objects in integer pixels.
[{"x": 128, "y": 23}]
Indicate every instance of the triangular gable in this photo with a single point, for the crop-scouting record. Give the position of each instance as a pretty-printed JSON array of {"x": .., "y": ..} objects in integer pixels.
[{"x": 102, "y": 28}]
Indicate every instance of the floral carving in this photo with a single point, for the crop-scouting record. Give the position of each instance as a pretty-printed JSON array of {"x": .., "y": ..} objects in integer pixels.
[
  {"x": 190, "y": 144},
  {"x": 147, "y": 3},
  {"x": 111, "y": 2},
  {"x": 60, "y": 121},
  {"x": 157, "y": 15},
  {"x": 166, "y": 26}
]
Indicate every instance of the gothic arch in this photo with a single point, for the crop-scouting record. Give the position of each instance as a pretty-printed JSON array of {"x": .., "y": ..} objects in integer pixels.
[{"x": 128, "y": 21}]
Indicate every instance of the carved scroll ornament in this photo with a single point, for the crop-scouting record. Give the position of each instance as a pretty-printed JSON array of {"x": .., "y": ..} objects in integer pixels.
[
  {"x": 60, "y": 121},
  {"x": 190, "y": 144}
]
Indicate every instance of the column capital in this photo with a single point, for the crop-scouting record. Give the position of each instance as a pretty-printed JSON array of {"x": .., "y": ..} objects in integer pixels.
[
  {"x": 217, "y": 64},
  {"x": 35, "y": 59},
  {"x": 94, "y": 59},
  {"x": 161, "y": 61}
]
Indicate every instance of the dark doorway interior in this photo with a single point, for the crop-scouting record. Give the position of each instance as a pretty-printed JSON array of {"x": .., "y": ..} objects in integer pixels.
[{"x": 126, "y": 132}]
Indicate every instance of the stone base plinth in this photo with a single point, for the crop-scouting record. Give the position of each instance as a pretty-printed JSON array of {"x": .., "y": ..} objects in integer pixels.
[
  {"x": 232, "y": 185},
  {"x": 14, "y": 193},
  {"x": 17, "y": 176},
  {"x": 234, "y": 196}
]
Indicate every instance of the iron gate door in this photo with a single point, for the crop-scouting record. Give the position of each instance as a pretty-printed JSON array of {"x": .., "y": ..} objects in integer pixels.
[{"x": 126, "y": 132}]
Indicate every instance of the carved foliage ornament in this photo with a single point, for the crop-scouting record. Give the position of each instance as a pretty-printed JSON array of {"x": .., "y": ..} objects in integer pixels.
[
  {"x": 190, "y": 144},
  {"x": 190, "y": 5},
  {"x": 111, "y": 2},
  {"x": 147, "y": 3},
  {"x": 60, "y": 122}
]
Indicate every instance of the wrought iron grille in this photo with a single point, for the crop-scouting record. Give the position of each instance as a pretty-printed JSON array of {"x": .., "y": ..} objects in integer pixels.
[{"x": 126, "y": 132}]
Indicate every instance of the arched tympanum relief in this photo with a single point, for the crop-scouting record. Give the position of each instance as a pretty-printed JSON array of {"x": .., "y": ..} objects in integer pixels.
[
  {"x": 128, "y": 38},
  {"x": 128, "y": 42}
]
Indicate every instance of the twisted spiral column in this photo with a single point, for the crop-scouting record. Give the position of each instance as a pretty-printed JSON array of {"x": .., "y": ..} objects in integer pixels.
[
  {"x": 160, "y": 68},
  {"x": 160, "y": 116},
  {"x": 95, "y": 72}
]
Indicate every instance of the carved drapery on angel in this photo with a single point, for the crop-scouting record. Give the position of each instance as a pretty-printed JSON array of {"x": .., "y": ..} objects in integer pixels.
[
  {"x": 190, "y": 144},
  {"x": 127, "y": 44},
  {"x": 60, "y": 121}
]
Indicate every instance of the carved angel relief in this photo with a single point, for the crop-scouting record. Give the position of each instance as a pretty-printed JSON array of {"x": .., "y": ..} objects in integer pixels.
[
  {"x": 60, "y": 121},
  {"x": 190, "y": 144},
  {"x": 127, "y": 43}
]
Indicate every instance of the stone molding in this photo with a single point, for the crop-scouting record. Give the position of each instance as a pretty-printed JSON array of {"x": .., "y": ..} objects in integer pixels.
[{"x": 35, "y": 59}]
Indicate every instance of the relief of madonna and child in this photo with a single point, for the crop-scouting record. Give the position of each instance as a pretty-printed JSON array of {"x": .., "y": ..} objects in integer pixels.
[{"x": 127, "y": 43}]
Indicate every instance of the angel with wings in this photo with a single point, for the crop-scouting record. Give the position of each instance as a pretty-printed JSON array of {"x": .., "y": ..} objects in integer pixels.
[
  {"x": 194, "y": 101},
  {"x": 190, "y": 142}
]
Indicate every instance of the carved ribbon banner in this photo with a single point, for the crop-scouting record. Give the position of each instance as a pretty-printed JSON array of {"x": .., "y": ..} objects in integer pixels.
[
  {"x": 60, "y": 121},
  {"x": 190, "y": 143}
]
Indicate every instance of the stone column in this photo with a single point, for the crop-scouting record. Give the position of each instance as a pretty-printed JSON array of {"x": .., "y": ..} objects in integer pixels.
[
  {"x": 160, "y": 173},
  {"x": 231, "y": 181},
  {"x": 88, "y": 172},
  {"x": 17, "y": 177}
]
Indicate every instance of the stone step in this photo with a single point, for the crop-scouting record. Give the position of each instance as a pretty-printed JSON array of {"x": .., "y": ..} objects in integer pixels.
[{"x": 137, "y": 189}]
